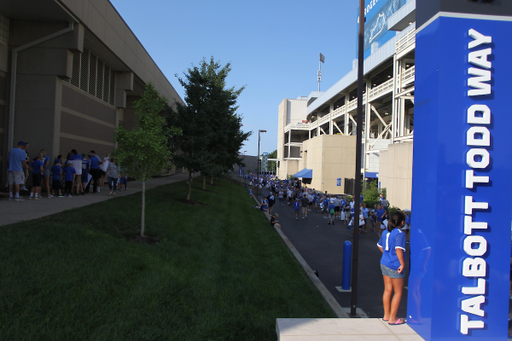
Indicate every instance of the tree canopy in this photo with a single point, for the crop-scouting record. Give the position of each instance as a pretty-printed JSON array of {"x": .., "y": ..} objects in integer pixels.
[
  {"x": 212, "y": 135},
  {"x": 143, "y": 152}
]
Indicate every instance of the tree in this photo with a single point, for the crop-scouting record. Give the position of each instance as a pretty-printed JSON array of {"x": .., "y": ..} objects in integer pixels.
[
  {"x": 143, "y": 152},
  {"x": 212, "y": 135}
]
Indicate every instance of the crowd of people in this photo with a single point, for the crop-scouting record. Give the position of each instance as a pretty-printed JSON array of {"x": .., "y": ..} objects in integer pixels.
[
  {"x": 391, "y": 229},
  {"x": 74, "y": 176},
  {"x": 333, "y": 207}
]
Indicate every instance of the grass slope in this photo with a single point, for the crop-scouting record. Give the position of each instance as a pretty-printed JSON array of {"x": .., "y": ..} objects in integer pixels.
[{"x": 220, "y": 273}]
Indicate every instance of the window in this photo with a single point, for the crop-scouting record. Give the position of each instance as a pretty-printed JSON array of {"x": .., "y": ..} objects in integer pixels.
[
  {"x": 93, "y": 76},
  {"x": 4, "y": 29}
]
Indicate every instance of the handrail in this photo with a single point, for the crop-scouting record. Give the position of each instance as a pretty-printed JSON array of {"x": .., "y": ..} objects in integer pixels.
[
  {"x": 409, "y": 75},
  {"x": 300, "y": 125},
  {"x": 381, "y": 89},
  {"x": 406, "y": 41}
]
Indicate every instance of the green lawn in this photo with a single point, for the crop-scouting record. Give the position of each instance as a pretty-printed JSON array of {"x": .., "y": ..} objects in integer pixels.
[{"x": 220, "y": 272}]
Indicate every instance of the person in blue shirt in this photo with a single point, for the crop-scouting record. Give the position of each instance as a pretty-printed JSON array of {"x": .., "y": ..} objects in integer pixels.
[
  {"x": 37, "y": 175},
  {"x": 264, "y": 205},
  {"x": 380, "y": 213},
  {"x": 392, "y": 264},
  {"x": 86, "y": 167},
  {"x": 326, "y": 208},
  {"x": 69, "y": 177},
  {"x": 332, "y": 212},
  {"x": 16, "y": 171},
  {"x": 95, "y": 170},
  {"x": 46, "y": 171},
  {"x": 57, "y": 179},
  {"x": 296, "y": 206}
]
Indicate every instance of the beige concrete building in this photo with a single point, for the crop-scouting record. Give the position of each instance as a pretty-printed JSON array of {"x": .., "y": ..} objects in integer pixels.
[
  {"x": 69, "y": 73},
  {"x": 320, "y": 133}
]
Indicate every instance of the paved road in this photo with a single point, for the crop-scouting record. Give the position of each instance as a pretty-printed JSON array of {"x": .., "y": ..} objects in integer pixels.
[{"x": 321, "y": 245}]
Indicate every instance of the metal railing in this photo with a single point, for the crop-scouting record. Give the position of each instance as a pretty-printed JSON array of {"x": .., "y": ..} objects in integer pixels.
[
  {"x": 298, "y": 126},
  {"x": 353, "y": 103},
  {"x": 323, "y": 120},
  {"x": 338, "y": 112},
  {"x": 405, "y": 42},
  {"x": 381, "y": 89},
  {"x": 409, "y": 75}
]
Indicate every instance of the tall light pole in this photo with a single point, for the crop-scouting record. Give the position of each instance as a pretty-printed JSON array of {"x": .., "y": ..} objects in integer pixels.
[
  {"x": 258, "y": 167},
  {"x": 357, "y": 192}
]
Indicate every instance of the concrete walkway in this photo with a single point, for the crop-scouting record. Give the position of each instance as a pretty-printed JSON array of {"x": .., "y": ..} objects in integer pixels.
[
  {"x": 15, "y": 211},
  {"x": 343, "y": 330}
]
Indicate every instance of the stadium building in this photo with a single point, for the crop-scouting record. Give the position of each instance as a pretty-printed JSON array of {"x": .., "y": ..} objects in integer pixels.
[
  {"x": 70, "y": 71},
  {"x": 317, "y": 133}
]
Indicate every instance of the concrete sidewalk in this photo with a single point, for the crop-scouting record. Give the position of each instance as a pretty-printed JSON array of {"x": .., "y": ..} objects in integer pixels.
[{"x": 13, "y": 211}]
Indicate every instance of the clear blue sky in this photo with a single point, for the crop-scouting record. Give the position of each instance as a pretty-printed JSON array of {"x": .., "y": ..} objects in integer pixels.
[{"x": 273, "y": 48}]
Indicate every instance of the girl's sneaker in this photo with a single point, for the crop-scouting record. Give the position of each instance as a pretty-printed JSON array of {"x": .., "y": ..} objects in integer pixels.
[
  {"x": 50, "y": 196},
  {"x": 62, "y": 196}
]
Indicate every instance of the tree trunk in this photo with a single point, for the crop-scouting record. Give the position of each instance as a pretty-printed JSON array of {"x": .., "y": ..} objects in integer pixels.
[
  {"x": 189, "y": 184},
  {"x": 204, "y": 183},
  {"x": 211, "y": 181},
  {"x": 143, "y": 206}
]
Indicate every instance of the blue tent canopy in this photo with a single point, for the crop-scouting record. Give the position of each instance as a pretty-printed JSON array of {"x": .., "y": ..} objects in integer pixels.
[{"x": 305, "y": 173}]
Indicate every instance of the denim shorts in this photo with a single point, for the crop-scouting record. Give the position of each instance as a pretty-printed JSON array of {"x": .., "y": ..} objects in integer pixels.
[{"x": 391, "y": 273}]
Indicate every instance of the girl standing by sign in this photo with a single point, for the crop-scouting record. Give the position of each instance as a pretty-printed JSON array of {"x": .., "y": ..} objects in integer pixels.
[{"x": 392, "y": 264}]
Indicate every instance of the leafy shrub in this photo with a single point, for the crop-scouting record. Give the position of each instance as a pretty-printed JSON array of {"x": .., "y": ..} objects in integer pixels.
[{"x": 371, "y": 193}]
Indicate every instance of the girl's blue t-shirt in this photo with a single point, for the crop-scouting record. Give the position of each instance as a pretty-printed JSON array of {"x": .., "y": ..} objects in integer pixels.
[
  {"x": 46, "y": 162},
  {"x": 390, "y": 241},
  {"x": 36, "y": 166}
]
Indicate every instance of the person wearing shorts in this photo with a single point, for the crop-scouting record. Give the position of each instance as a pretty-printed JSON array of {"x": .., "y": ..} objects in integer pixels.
[
  {"x": 69, "y": 177},
  {"x": 347, "y": 211},
  {"x": 305, "y": 202},
  {"x": 24, "y": 188},
  {"x": 392, "y": 264},
  {"x": 37, "y": 176},
  {"x": 331, "y": 209},
  {"x": 16, "y": 171},
  {"x": 337, "y": 210},
  {"x": 46, "y": 171},
  {"x": 57, "y": 179},
  {"x": 296, "y": 207},
  {"x": 325, "y": 206}
]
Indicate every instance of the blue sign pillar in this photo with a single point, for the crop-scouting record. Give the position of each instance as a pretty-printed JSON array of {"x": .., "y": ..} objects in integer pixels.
[{"x": 462, "y": 171}]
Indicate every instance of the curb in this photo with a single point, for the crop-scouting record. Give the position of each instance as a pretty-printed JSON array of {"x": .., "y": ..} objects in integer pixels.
[{"x": 328, "y": 297}]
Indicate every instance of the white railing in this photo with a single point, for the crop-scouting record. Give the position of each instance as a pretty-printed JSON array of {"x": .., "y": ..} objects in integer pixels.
[
  {"x": 382, "y": 89},
  {"x": 338, "y": 112},
  {"x": 299, "y": 126},
  {"x": 403, "y": 43},
  {"x": 324, "y": 119},
  {"x": 353, "y": 103},
  {"x": 408, "y": 75}
]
